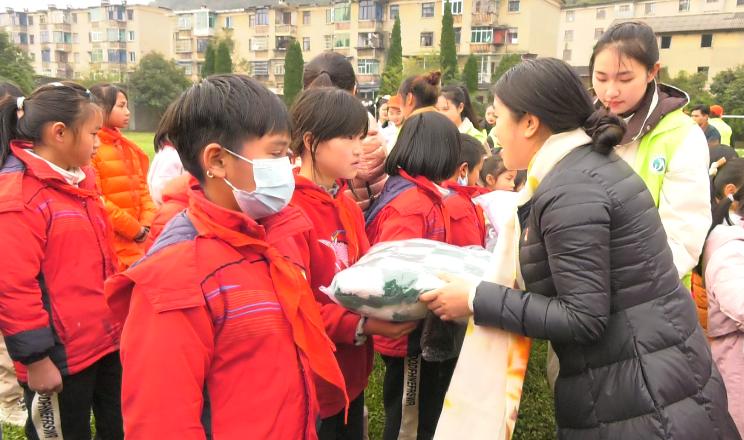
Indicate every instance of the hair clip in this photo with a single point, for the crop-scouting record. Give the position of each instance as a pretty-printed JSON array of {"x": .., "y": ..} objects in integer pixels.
[
  {"x": 56, "y": 84},
  {"x": 731, "y": 197},
  {"x": 19, "y": 102}
]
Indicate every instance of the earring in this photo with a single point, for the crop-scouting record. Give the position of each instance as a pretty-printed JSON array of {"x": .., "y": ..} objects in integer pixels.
[{"x": 210, "y": 175}]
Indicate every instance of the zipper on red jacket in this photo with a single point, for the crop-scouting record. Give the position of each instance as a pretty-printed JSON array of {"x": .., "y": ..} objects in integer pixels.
[
  {"x": 98, "y": 240},
  {"x": 308, "y": 402}
]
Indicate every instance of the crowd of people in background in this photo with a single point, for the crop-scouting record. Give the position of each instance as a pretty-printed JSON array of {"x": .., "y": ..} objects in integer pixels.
[{"x": 183, "y": 297}]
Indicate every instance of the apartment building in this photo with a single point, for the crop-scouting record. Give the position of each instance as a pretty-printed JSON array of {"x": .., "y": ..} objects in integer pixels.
[
  {"x": 694, "y": 35},
  {"x": 102, "y": 41}
]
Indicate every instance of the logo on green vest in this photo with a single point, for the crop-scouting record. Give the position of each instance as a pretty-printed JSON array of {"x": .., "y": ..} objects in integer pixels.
[{"x": 658, "y": 165}]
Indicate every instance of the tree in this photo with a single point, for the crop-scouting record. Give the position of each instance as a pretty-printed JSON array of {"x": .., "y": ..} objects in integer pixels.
[
  {"x": 693, "y": 84},
  {"x": 15, "y": 65},
  {"x": 293, "y": 67},
  {"x": 448, "y": 54},
  {"x": 470, "y": 74},
  {"x": 506, "y": 63},
  {"x": 223, "y": 59},
  {"x": 208, "y": 67},
  {"x": 728, "y": 88},
  {"x": 393, "y": 73},
  {"x": 157, "y": 82},
  {"x": 422, "y": 63}
]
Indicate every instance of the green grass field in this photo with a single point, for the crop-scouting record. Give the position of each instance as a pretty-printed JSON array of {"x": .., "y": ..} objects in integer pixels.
[{"x": 536, "y": 411}]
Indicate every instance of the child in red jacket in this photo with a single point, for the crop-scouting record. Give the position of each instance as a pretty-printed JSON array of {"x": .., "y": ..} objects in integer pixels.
[
  {"x": 412, "y": 205},
  {"x": 223, "y": 336},
  {"x": 328, "y": 126},
  {"x": 57, "y": 253},
  {"x": 466, "y": 218}
]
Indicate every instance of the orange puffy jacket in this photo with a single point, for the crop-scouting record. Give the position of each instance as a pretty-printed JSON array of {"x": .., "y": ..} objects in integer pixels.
[{"x": 122, "y": 177}]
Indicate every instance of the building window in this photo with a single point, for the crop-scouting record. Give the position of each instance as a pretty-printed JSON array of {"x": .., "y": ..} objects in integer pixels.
[
  {"x": 368, "y": 67},
  {"x": 76, "y": 57},
  {"x": 327, "y": 42},
  {"x": 738, "y": 3},
  {"x": 33, "y": 56},
  {"x": 623, "y": 11},
  {"x": 212, "y": 20},
  {"x": 706, "y": 40},
  {"x": 427, "y": 10},
  {"x": 74, "y": 18},
  {"x": 96, "y": 56},
  {"x": 512, "y": 36},
  {"x": 130, "y": 14},
  {"x": 95, "y": 36},
  {"x": 481, "y": 34},
  {"x": 279, "y": 68},
  {"x": 598, "y": 32},
  {"x": 329, "y": 16},
  {"x": 666, "y": 41},
  {"x": 260, "y": 68},
  {"x": 601, "y": 13},
  {"x": 130, "y": 36},
  {"x": 132, "y": 57},
  {"x": 76, "y": 38},
  {"x": 342, "y": 13},
  {"x": 262, "y": 17},
  {"x": 282, "y": 43},
  {"x": 570, "y": 16},
  {"x": 370, "y": 10},
  {"x": 704, "y": 70},
  {"x": 42, "y": 19},
  {"x": 566, "y": 54},
  {"x": 184, "y": 22},
  {"x": 458, "y": 35},
  {"x": 201, "y": 45},
  {"x": 44, "y": 36},
  {"x": 513, "y": 5},
  {"x": 684, "y": 5},
  {"x": 30, "y": 20},
  {"x": 183, "y": 46},
  {"x": 568, "y": 36},
  {"x": 228, "y": 22},
  {"x": 394, "y": 12},
  {"x": 427, "y": 39},
  {"x": 341, "y": 40},
  {"x": 306, "y": 17},
  {"x": 260, "y": 43},
  {"x": 650, "y": 8},
  {"x": 283, "y": 17},
  {"x": 46, "y": 56},
  {"x": 306, "y": 44},
  {"x": 455, "y": 6},
  {"x": 31, "y": 38}
]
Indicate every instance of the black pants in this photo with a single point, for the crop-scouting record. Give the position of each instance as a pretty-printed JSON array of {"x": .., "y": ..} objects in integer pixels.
[
  {"x": 67, "y": 414},
  {"x": 413, "y": 394},
  {"x": 333, "y": 428}
]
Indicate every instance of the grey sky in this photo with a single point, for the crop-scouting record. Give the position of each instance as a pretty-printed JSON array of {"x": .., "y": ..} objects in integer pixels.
[{"x": 34, "y": 5}]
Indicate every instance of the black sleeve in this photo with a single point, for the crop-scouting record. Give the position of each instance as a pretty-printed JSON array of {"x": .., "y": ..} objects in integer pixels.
[{"x": 575, "y": 226}]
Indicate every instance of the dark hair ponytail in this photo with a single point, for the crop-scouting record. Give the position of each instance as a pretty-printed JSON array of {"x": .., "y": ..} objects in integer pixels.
[
  {"x": 633, "y": 39},
  {"x": 732, "y": 172},
  {"x": 65, "y": 102},
  {"x": 606, "y": 130},
  {"x": 425, "y": 88},
  {"x": 459, "y": 95},
  {"x": 329, "y": 69},
  {"x": 7, "y": 88},
  {"x": 550, "y": 89}
]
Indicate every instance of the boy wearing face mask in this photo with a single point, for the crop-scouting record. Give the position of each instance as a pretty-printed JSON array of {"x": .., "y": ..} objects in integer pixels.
[{"x": 235, "y": 320}]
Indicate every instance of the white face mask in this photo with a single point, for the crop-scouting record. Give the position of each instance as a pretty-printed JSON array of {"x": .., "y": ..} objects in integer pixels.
[{"x": 274, "y": 187}]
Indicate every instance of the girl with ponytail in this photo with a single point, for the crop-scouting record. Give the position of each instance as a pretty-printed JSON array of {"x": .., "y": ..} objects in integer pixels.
[
  {"x": 723, "y": 267},
  {"x": 56, "y": 241},
  {"x": 419, "y": 93},
  {"x": 596, "y": 276},
  {"x": 454, "y": 102}
]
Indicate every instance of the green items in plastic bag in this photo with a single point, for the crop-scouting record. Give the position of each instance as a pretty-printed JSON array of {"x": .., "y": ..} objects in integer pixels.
[{"x": 387, "y": 281}]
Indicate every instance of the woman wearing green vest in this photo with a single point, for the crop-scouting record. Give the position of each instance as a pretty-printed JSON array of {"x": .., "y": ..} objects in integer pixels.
[
  {"x": 662, "y": 144},
  {"x": 454, "y": 102}
]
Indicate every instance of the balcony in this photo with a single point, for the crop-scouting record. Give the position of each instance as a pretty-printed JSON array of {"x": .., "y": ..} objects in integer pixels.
[
  {"x": 370, "y": 25},
  {"x": 457, "y": 19},
  {"x": 63, "y": 47},
  {"x": 342, "y": 26},
  {"x": 483, "y": 19},
  {"x": 262, "y": 29},
  {"x": 345, "y": 51},
  {"x": 480, "y": 48},
  {"x": 280, "y": 53},
  {"x": 369, "y": 80},
  {"x": 286, "y": 29},
  {"x": 62, "y": 27}
]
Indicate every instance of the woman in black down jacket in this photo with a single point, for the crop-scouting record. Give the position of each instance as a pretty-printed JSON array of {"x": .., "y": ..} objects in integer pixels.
[{"x": 597, "y": 276}]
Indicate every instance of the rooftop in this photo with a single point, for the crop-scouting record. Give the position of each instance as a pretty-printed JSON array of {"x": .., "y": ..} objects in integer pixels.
[{"x": 693, "y": 23}]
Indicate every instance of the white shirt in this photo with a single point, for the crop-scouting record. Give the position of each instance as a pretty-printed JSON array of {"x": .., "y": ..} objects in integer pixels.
[
  {"x": 72, "y": 177},
  {"x": 684, "y": 202},
  {"x": 165, "y": 166}
]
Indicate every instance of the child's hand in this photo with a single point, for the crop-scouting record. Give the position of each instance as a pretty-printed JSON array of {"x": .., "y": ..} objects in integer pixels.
[
  {"x": 44, "y": 377},
  {"x": 450, "y": 302},
  {"x": 393, "y": 330}
]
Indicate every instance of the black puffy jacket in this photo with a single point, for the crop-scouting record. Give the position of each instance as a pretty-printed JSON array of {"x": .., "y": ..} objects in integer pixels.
[{"x": 603, "y": 288}]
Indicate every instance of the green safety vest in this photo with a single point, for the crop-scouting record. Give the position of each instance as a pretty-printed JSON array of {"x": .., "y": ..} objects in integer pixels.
[
  {"x": 657, "y": 149},
  {"x": 723, "y": 128}
]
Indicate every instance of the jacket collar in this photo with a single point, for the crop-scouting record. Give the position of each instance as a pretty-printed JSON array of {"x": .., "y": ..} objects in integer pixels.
[{"x": 43, "y": 170}]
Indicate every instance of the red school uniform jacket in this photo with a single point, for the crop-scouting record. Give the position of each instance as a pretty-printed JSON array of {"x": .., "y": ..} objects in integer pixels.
[
  {"x": 212, "y": 334},
  {"x": 407, "y": 208},
  {"x": 466, "y": 218},
  {"x": 57, "y": 251},
  {"x": 340, "y": 246}
]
